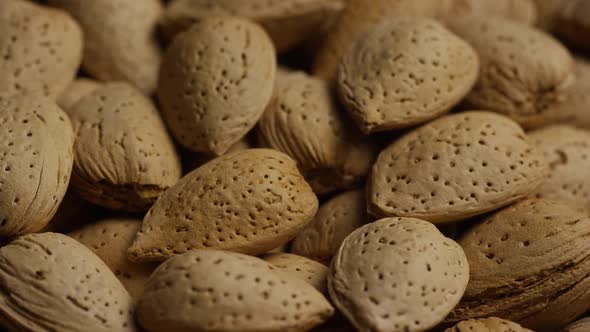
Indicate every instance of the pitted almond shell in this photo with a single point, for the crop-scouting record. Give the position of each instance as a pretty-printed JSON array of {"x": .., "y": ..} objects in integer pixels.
[
  {"x": 78, "y": 89},
  {"x": 210, "y": 290},
  {"x": 215, "y": 82},
  {"x": 529, "y": 263},
  {"x": 491, "y": 324},
  {"x": 41, "y": 49},
  {"x": 124, "y": 157},
  {"x": 35, "y": 162},
  {"x": 250, "y": 201},
  {"x": 298, "y": 266},
  {"x": 50, "y": 282},
  {"x": 397, "y": 274},
  {"x": 109, "y": 239},
  {"x": 455, "y": 167}
]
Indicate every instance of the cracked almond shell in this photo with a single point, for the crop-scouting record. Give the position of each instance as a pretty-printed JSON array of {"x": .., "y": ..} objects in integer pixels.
[
  {"x": 124, "y": 157},
  {"x": 50, "y": 282},
  {"x": 250, "y": 201},
  {"x": 215, "y": 82},
  {"x": 35, "y": 162},
  {"x": 490, "y": 324},
  {"x": 397, "y": 274},
  {"x": 529, "y": 263},
  {"x": 210, "y": 290}
]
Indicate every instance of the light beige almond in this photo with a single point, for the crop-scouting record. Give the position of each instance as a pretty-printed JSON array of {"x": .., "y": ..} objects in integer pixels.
[
  {"x": 529, "y": 263},
  {"x": 335, "y": 219},
  {"x": 303, "y": 268},
  {"x": 356, "y": 18},
  {"x": 210, "y": 290},
  {"x": 215, "y": 82},
  {"x": 397, "y": 274},
  {"x": 582, "y": 325},
  {"x": 524, "y": 11},
  {"x": 491, "y": 324},
  {"x": 573, "y": 22},
  {"x": 403, "y": 72},
  {"x": 567, "y": 151},
  {"x": 524, "y": 72},
  {"x": 304, "y": 121},
  {"x": 455, "y": 167},
  {"x": 576, "y": 105},
  {"x": 119, "y": 39},
  {"x": 50, "y": 282},
  {"x": 249, "y": 201},
  {"x": 40, "y": 49},
  {"x": 35, "y": 162},
  {"x": 288, "y": 22},
  {"x": 109, "y": 239},
  {"x": 124, "y": 157},
  {"x": 79, "y": 88}
]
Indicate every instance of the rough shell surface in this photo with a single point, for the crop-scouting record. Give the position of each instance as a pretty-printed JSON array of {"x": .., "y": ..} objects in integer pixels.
[
  {"x": 124, "y": 157},
  {"x": 335, "y": 219},
  {"x": 404, "y": 72},
  {"x": 40, "y": 49},
  {"x": 210, "y": 290},
  {"x": 78, "y": 89},
  {"x": 50, "y": 282},
  {"x": 529, "y": 263},
  {"x": 249, "y": 201},
  {"x": 119, "y": 39},
  {"x": 524, "y": 72},
  {"x": 491, "y": 324},
  {"x": 35, "y": 162},
  {"x": 298, "y": 266},
  {"x": 455, "y": 167},
  {"x": 109, "y": 239},
  {"x": 215, "y": 82},
  {"x": 397, "y": 274}
]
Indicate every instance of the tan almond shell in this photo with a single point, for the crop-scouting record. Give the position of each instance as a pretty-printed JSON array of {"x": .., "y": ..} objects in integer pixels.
[
  {"x": 404, "y": 72},
  {"x": 35, "y": 162},
  {"x": 250, "y": 201},
  {"x": 288, "y": 22},
  {"x": 529, "y": 263},
  {"x": 356, "y": 18},
  {"x": 490, "y": 324},
  {"x": 300, "y": 267},
  {"x": 454, "y": 168},
  {"x": 335, "y": 220},
  {"x": 210, "y": 290},
  {"x": 41, "y": 49},
  {"x": 567, "y": 152},
  {"x": 120, "y": 42},
  {"x": 582, "y": 325},
  {"x": 215, "y": 82},
  {"x": 50, "y": 282},
  {"x": 397, "y": 274},
  {"x": 524, "y": 72},
  {"x": 523, "y": 11},
  {"x": 76, "y": 91},
  {"x": 124, "y": 157},
  {"x": 109, "y": 239},
  {"x": 577, "y": 100},
  {"x": 573, "y": 22}
]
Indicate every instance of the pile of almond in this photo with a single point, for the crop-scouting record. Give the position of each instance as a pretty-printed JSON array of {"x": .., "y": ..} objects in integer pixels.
[{"x": 295, "y": 165}]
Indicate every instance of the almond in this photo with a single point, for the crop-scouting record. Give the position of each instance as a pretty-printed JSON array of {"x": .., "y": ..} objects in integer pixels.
[
  {"x": 356, "y": 18},
  {"x": 335, "y": 219},
  {"x": 109, "y": 240},
  {"x": 124, "y": 157},
  {"x": 582, "y": 325},
  {"x": 40, "y": 49},
  {"x": 35, "y": 162},
  {"x": 397, "y": 274},
  {"x": 529, "y": 263},
  {"x": 404, "y": 72},
  {"x": 567, "y": 151},
  {"x": 215, "y": 82},
  {"x": 51, "y": 282},
  {"x": 576, "y": 105},
  {"x": 75, "y": 91},
  {"x": 524, "y": 11},
  {"x": 524, "y": 72},
  {"x": 573, "y": 22},
  {"x": 249, "y": 201},
  {"x": 119, "y": 39},
  {"x": 491, "y": 324},
  {"x": 455, "y": 167},
  {"x": 303, "y": 268},
  {"x": 288, "y": 22},
  {"x": 210, "y": 290}
]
